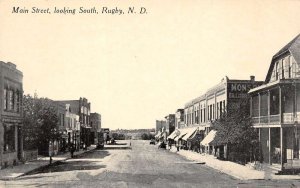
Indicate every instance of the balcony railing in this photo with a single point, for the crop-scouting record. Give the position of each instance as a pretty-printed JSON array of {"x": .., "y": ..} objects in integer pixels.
[
  {"x": 266, "y": 119},
  {"x": 288, "y": 118},
  {"x": 255, "y": 120},
  {"x": 275, "y": 118}
]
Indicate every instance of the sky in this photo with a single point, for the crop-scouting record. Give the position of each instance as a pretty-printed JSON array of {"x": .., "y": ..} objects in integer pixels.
[{"x": 135, "y": 69}]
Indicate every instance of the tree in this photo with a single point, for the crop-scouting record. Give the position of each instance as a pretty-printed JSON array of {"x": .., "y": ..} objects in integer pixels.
[
  {"x": 40, "y": 123},
  {"x": 234, "y": 129}
]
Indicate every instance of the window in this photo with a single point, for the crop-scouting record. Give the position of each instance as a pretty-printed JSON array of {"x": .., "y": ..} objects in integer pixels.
[
  {"x": 9, "y": 138},
  {"x": 10, "y": 100},
  {"x": 198, "y": 116},
  {"x": 282, "y": 68},
  {"x": 17, "y": 101},
  {"x": 210, "y": 112},
  {"x": 289, "y": 64},
  {"x": 277, "y": 70},
  {"x": 204, "y": 115},
  {"x": 221, "y": 108},
  {"x": 5, "y": 99},
  {"x": 201, "y": 118},
  {"x": 217, "y": 111},
  {"x": 213, "y": 111}
]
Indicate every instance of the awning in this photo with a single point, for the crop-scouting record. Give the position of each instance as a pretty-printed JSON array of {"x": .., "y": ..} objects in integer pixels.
[
  {"x": 209, "y": 138},
  {"x": 182, "y": 132},
  {"x": 173, "y": 135},
  {"x": 158, "y": 135},
  {"x": 191, "y": 131}
]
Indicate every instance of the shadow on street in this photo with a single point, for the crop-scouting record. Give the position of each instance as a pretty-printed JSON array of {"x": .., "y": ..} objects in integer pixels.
[{"x": 85, "y": 161}]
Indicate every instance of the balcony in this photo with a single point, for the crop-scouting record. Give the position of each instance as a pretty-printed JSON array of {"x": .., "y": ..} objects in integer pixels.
[
  {"x": 265, "y": 120},
  {"x": 287, "y": 118}
]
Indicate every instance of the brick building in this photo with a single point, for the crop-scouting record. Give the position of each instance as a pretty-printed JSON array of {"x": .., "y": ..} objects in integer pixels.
[
  {"x": 95, "y": 122},
  {"x": 199, "y": 113},
  {"x": 82, "y": 108},
  {"x": 11, "y": 143}
]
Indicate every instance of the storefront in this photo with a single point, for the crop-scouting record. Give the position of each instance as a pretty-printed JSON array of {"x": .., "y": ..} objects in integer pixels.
[{"x": 205, "y": 143}]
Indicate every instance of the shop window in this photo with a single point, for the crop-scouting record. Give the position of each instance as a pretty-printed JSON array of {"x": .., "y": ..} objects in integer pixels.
[{"x": 9, "y": 138}]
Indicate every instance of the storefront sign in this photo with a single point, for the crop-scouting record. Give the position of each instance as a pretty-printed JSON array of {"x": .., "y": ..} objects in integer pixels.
[{"x": 239, "y": 90}]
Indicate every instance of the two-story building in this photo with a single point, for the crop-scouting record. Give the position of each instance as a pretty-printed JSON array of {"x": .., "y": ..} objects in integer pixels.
[
  {"x": 160, "y": 128},
  {"x": 82, "y": 108},
  {"x": 11, "y": 142},
  {"x": 275, "y": 109},
  {"x": 199, "y": 113},
  {"x": 179, "y": 119},
  {"x": 72, "y": 127},
  {"x": 95, "y": 122}
]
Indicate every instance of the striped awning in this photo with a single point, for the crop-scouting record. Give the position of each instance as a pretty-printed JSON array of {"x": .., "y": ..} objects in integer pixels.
[
  {"x": 159, "y": 135},
  {"x": 189, "y": 132},
  {"x": 209, "y": 138}
]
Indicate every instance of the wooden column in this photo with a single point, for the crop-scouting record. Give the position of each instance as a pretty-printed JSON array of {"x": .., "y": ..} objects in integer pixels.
[
  {"x": 259, "y": 108},
  {"x": 259, "y": 145},
  {"x": 280, "y": 105},
  {"x": 281, "y": 149},
  {"x": 270, "y": 156}
]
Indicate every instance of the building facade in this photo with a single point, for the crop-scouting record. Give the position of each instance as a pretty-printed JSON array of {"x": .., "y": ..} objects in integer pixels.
[
  {"x": 275, "y": 109},
  {"x": 11, "y": 142},
  {"x": 82, "y": 108},
  {"x": 95, "y": 122},
  {"x": 200, "y": 112},
  {"x": 179, "y": 119},
  {"x": 160, "y": 128},
  {"x": 72, "y": 127}
]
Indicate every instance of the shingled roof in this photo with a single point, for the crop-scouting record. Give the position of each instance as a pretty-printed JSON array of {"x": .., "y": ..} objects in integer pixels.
[{"x": 293, "y": 48}]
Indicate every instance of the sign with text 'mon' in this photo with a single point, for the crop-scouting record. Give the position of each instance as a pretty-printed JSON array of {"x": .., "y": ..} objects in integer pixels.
[{"x": 239, "y": 90}]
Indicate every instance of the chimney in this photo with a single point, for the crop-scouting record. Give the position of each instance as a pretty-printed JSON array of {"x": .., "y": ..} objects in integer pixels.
[{"x": 252, "y": 78}]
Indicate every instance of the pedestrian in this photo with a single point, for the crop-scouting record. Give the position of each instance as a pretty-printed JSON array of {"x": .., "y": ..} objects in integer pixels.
[
  {"x": 177, "y": 147},
  {"x": 72, "y": 149}
]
